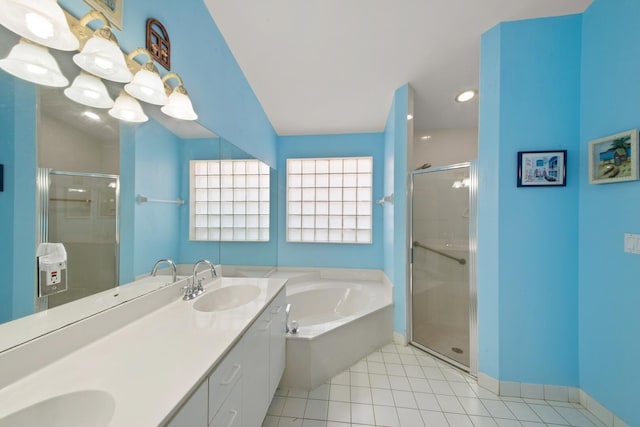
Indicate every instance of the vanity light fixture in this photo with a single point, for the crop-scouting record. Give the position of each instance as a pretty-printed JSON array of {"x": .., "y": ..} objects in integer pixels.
[
  {"x": 147, "y": 85},
  {"x": 466, "y": 96},
  {"x": 179, "y": 105},
  {"x": 41, "y": 21},
  {"x": 101, "y": 55},
  {"x": 89, "y": 90},
  {"x": 91, "y": 115},
  {"x": 128, "y": 109},
  {"x": 33, "y": 63}
]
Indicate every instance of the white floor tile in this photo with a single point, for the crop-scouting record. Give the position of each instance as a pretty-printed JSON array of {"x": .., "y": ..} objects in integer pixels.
[
  {"x": 361, "y": 395},
  {"x": 376, "y": 368},
  {"x": 302, "y": 394},
  {"x": 409, "y": 359},
  {"x": 339, "y": 411},
  {"x": 473, "y": 406},
  {"x": 427, "y": 361},
  {"x": 458, "y": 420},
  {"x": 410, "y": 417},
  {"x": 316, "y": 409},
  {"x": 277, "y": 403},
  {"x": 399, "y": 383},
  {"x": 450, "y": 404},
  {"x": 433, "y": 373},
  {"x": 362, "y": 414},
  {"x": 337, "y": 424},
  {"x": 342, "y": 378},
  {"x": 462, "y": 389},
  {"x": 414, "y": 371},
  {"x": 313, "y": 423},
  {"x": 522, "y": 411},
  {"x": 453, "y": 375},
  {"x": 375, "y": 357},
  {"x": 507, "y": 423},
  {"x": 386, "y": 416},
  {"x": 427, "y": 401},
  {"x": 394, "y": 369},
  {"x": 379, "y": 381},
  {"x": 391, "y": 358},
  {"x": 482, "y": 421},
  {"x": 340, "y": 393},
  {"x": 497, "y": 409},
  {"x": 270, "y": 421},
  {"x": 406, "y": 349},
  {"x": 532, "y": 424},
  {"x": 441, "y": 387},
  {"x": 574, "y": 417},
  {"x": 404, "y": 399},
  {"x": 294, "y": 407},
  {"x": 382, "y": 397},
  {"x": 360, "y": 379},
  {"x": 547, "y": 414},
  {"x": 389, "y": 348},
  {"x": 434, "y": 419},
  {"x": 420, "y": 385},
  {"x": 361, "y": 366},
  {"x": 290, "y": 422}
]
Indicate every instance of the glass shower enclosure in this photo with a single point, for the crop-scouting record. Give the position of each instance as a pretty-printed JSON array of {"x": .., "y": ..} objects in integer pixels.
[
  {"x": 443, "y": 289},
  {"x": 80, "y": 210}
]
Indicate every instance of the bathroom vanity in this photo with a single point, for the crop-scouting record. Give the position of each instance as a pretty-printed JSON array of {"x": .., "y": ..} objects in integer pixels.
[{"x": 212, "y": 361}]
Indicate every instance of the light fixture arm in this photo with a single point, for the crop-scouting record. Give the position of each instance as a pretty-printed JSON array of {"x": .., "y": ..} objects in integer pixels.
[
  {"x": 172, "y": 75},
  {"x": 140, "y": 51},
  {"x": 93, "y": 16}
]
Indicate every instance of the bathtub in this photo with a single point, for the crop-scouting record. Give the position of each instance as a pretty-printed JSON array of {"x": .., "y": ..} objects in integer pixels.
[{"x": 340, "y": 321}]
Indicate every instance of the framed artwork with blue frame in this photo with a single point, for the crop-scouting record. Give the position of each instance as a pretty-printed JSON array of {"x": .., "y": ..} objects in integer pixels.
[{"x": 542, "y": 168}]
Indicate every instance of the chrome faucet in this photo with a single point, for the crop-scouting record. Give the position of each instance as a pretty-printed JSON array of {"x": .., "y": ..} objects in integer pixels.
[
  {"x": 167, "y": 261},
  {"x": 196, "y": 288}
]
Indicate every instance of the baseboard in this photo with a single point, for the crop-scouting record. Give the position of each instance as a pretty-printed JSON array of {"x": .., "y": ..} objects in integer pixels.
[
  {"x": 399, "y": 338},
  {"x": 551, "y": 393}
]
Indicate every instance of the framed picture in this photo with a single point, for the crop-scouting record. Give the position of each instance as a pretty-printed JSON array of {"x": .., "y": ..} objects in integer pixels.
[
  {"x": 614, "y": 158},
  {"x": 112, "y": 9},
  {"x": 542, "y": 168}
]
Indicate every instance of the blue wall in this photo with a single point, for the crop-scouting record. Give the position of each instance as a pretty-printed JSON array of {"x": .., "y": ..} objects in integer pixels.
[
  {"x": 327, "y": 254},
  {"x": 533, "y": 281},
  {"x": 396, "y": 265},
  {"x": 609, "y": 278},
  {"x": 157, "y": 166}
]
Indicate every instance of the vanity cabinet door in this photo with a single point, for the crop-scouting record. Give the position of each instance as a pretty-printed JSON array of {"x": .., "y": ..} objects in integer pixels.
[
  {"x": 255, "y": 390},
  {"x": 230, "y": 413},
  {"x": 194, "y": 412},
  {"x": 225, "y": 379},
  {"x": 278, "y": 341}
]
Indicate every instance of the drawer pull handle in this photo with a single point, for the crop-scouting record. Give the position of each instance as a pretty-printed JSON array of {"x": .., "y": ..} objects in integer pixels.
[
  {"x": 234, "y": 414},
  {"x": 266, "y": 326},
  {"x": 231, "y": 379}
]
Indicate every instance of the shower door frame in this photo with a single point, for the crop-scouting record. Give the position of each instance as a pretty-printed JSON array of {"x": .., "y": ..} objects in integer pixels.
[
  {"x": 43, "y": 182},
  {"x": 472, "y": 369}
]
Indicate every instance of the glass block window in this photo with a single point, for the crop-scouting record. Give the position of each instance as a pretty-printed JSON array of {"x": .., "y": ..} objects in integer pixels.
[
  {"x": 329, "y": 200},
  {"x": 229, "y": 200}
]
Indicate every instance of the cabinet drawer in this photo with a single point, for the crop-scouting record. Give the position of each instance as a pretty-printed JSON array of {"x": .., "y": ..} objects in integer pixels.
[
  {"x": 230, "y": 413},
  {"x": 223, "y": 379}
]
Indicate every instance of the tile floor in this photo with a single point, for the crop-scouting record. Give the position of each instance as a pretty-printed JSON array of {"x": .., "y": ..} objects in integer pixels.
[{"x": 400, "y": 386}]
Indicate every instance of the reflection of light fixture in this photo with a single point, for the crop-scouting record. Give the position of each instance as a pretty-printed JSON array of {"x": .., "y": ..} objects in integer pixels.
[
  {"x": 179, "y": 105},
  {"x": 87, "y": 89},
  {"x": 101, "y": 55},
  {"x": 111, "y": 185},
  {"x": 409, "y": 116},
  {"x": 463, "y": 183},
  {"x": 466, "y": 96},
  {"x": 128, "y": 109},
  {"x": 76, "y": 190},
  {"x": 147, "y": 85},
  {"x": 33, "y": 63},
  {"x": 41, "y": 21},
  {"x": 425, "y": 137},
  {"x": 91, "y": 115}
]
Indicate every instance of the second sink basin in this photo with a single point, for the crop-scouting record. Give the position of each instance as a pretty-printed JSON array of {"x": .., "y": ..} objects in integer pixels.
[
  {"x": 80, "y": 408},
  {"x": 226, "y": 298}
]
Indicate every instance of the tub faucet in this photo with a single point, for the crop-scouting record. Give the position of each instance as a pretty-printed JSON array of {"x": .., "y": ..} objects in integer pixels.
[
  {"x": 167, "y": 261},
  {"x": 294, "y": 325},
  {"x": 196, "y": 288}
]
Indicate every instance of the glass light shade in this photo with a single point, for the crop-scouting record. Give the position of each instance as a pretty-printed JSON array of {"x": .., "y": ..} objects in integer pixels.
[
  {"x": 41, "y": 21},
  {"x": 128, "y": 109},
  {"x": 179, "y": 105},
  {"x": 147, "y": 86},
  {"x": 87, "y": 89},
  {"x": 35, "y": 64},
  {"x": 103, "y": 57}
]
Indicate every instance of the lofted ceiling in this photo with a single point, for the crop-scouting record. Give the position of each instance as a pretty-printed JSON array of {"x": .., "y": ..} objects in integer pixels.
[{"x": 332, "y": 66}]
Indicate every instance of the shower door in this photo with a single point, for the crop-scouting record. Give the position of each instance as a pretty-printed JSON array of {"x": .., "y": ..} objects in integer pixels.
[
  {"x": 81, "y": 211},
  {"x": 443, "y": 302}
]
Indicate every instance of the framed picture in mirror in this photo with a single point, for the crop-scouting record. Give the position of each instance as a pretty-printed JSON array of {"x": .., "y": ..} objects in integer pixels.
[{"x": 112, "y": 9}]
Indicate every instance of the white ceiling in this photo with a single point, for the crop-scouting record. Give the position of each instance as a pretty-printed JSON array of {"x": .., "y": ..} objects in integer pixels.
[{"x": 332, "y": 66}]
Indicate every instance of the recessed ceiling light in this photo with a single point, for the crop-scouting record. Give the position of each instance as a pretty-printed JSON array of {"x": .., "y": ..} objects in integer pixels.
[
  {"x": 466, "y": 96},
  {"x": 91, "y": 115},
  {"x": 425, "y": 137}
]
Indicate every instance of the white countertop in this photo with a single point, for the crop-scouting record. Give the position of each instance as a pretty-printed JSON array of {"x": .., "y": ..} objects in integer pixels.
[{"x": 151, "y": 365}]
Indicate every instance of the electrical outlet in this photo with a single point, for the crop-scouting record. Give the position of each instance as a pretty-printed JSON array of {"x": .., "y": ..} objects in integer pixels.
[{"x": 632, "y": 243}]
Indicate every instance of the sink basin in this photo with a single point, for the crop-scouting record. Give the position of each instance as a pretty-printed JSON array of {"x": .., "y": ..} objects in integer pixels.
[
  {"x": 227, "y": 298},
  {"x": 80, "y": 408}
]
